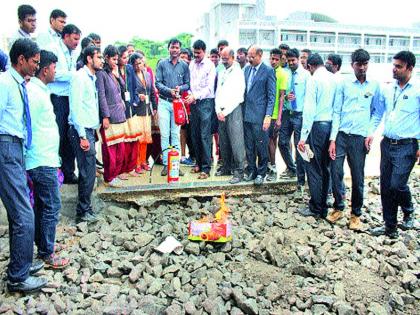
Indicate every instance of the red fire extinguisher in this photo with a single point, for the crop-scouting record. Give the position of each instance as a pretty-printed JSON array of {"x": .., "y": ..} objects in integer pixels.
[
  {"x": 173, "y": 166},
  {"x": 180, "y": 112}
]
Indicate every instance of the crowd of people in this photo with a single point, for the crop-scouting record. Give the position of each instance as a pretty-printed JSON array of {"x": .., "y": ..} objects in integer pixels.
[{"x": 54, "y": 107}]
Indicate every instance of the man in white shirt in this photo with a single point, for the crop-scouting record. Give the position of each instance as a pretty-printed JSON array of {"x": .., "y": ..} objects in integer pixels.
[
  {"x": 229, "y": 97},
  {"x": 52, "y": 37},
  {"x": 27, "y": 23}
]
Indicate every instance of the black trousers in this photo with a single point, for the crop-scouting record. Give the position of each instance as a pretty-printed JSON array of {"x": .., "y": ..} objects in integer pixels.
[
  {"x": 61, "y": 111},
  {"x": 256, "y": 144}
]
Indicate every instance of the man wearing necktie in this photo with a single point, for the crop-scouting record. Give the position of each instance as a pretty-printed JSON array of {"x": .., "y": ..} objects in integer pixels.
[
  {"x": 400, "y": 104},
  {"x": 260, "y": 96},
  {"x": 15, "y": 131}
]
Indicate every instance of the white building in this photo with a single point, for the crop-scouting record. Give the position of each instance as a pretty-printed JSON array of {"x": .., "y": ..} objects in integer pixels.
[{"x": 243, "y": 23}]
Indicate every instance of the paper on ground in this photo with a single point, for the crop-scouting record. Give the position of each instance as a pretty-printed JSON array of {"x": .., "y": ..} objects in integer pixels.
[{"x": 169, "y": 245}]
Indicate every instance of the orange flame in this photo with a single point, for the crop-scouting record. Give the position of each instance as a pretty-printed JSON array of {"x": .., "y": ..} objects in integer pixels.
[{"x": 221, "y": 216}]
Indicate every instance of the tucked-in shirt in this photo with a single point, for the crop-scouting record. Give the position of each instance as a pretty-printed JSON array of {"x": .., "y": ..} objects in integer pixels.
[
  {"x": 401, "y": 107},
  {"x": 65, "y": 69},
  {"x": 48, "y": 40},
  {"x": 300, "y": 79},
  {"x": 84, "y": 108},
  {"x": 202, "y": 76},
  {"x": 319, "y": 100},
  {"x": 11, "y": 104},
  {"x": 353, "y": 106},
  {"x": 169, "y": 76},
  {"x": 45, "y": 137},
  {"x": 230, "y": 89},
  {"x": 282, "y": 80}
]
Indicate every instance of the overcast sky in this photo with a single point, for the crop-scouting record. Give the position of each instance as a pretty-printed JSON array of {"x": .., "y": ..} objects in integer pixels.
[{"x": 160, "y": 19}]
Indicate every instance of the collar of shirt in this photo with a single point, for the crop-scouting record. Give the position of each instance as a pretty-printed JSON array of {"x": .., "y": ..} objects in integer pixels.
[
  {"x": 257, "y": 67},
  {"x": 16, "y": 75},
  {"x": 91, "y": 76},
  {"x": 355, "y": 80},
  {"x": 23, "y": 33},
  {"x": 40, "y": 84},
  {"x": 54, "y": 33},
  {"x": 408, "y": 84}
]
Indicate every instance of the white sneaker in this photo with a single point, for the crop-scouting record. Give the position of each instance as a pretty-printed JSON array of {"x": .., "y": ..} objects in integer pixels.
[{"x": 116, "y": 183}]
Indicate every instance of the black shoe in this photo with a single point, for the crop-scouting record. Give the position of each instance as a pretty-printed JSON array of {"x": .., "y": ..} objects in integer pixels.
[
  {"x": 99, "y": 164},
  {"x": 31, "y": 284},
  {"x": 88, "y": 217},
  {"x": 235, "y": 180},
  {"x": 222, "y": 172},
  {"x": 164, "y": 171},
  {"x": 249, "y": 177},
  {"x": 408, "y": 221},
  {"x": 306, "y": 212},
  {"x": 259, "y": 180},
  {"x": 383, "y": 230},
  {"x": 71, "y": 180},
  {"x": 36, "y": 266}
]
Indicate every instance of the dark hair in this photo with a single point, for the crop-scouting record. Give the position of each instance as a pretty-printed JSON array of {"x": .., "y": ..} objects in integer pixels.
[
  {"x": 94, "y": 36},
  {"x": 306, "y": 50},
  {"x": 86, "y": 42},
  {"x": 122, "y": 49},
  {"x": 71, "y": 29},
  {"x": 315, "y": 60},
  {"x": 57, "y": 13},
  {"x": 199, "y": 44},
  {"x": 174, "y": 41},
  {"x": 134, "y": 57},
  {"x": 222, "y": 42},
  {"x": 187, "y": 51},
  {"x": 90, "y": 51},
  {"x": 46, "y": 59},
  {"x": 336, "y": 60},
  {"x": 110, "y": 51},
  {"x": 129, "y": 44},
  {"x": 275, "y": 51},
  {"x": 214, "y": 51},
  {"x": 406, "y": 57},
  {"x": 284, "y": 46},
  {"x": 243, "y": 50},
  {"x": 24, "y": 10},
  {"x": 23, "y": 46},
  {"x": 3, "y": 61},
  {"x": 292, "y": 53},
  {"x": 360, "y": 55}
]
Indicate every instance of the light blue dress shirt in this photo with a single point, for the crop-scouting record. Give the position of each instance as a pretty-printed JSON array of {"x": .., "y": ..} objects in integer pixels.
[
  {"x": 319, "y": 100},
  {"x": 11, "y": 104},
  {"x": 48, "y": 40},
  {"x": 45, "y": 137},
  {"x": 84, "y": 107},
  {"x": 401, "y": 107},
  {"x": 353, "y": 106},
  {"x": 300, "y": 79},
  {"x": 65, "y": 69}
]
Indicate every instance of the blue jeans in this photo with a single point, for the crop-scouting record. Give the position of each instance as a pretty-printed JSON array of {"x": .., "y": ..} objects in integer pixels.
[
  {"x": 397, "y": 161},
  {"x": 15, "y": 196},
  {"x": 47, "y": 207},
  {"x": 201, "y": 122},
  {"x": 317, "y": 169},
  {"x": 291, "y": 123},
  {"x": 352, "y": 146},
  {"x": 86, "y": 163},
  {"x": 169, "y": 131},
  {"x": 256, "y": 144}
]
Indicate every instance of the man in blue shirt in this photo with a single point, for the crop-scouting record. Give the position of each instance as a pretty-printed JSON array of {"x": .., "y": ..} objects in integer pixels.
[
  {"x": 316, "y": 129},
  {"x": 15, "y": 131},
  {"x": 42, "y": 161},
  {"x": 400, "y": 104},
  {"x": 356, "y": 99},
  {"x": 60, "y": 90},
  {"x": 84, "y": 120}
]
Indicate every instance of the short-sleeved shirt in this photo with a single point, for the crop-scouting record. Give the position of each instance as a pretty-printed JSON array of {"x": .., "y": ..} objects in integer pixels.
[{"x": 282, "y": 79}]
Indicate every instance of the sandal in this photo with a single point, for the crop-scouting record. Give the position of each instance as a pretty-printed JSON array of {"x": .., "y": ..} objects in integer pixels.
[
  {"x": 133, "y": 174},
  {"x": 55, "y": 262},
  {"x": 59, "y": 247},
  {"x": 203, "y": 175},
  {"x": 195, "y": 170},
  {"x": 123, "y": 176},
  {"x": 139, "y": 170},
  {"x": 145, "y": 166}
]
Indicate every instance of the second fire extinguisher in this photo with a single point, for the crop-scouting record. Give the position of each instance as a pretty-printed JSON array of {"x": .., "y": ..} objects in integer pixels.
[{"x": 173, "y": 165}]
